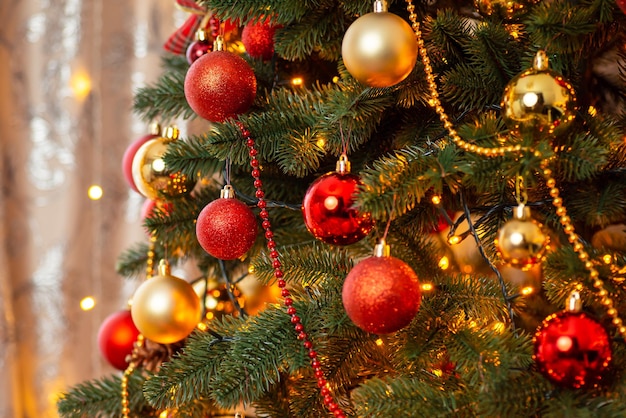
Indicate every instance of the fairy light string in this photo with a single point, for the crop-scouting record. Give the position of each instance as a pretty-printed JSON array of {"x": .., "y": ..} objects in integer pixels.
[{"x": 546, "y": 172}]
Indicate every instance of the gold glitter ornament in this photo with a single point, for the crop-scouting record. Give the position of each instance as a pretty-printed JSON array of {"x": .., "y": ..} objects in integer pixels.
[
  {"x": 379, "y": 49},
  {"x": 521, "y": 242},
  {"x": 150, "y": 174},
  {"x": 538, "y": 100}
]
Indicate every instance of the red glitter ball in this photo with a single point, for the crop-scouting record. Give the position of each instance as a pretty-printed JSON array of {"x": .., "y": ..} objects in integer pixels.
[
  {"x": 572, "y": 349},
  {"x": 381, "y": 294},
  {"x": 329, "y": 212},
  {"x": 116, "y": 337},
  {"x": 220, "y": 85},
  {"x": 258, "y": 38},
  {"x": 226, "y": 228}
]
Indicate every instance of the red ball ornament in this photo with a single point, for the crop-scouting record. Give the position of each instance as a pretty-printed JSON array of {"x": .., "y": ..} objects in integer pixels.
[
  {"x": 258, "y": 38},
  {"x": 381, "y": 294},
  {"x": 129, "y": 154},
  {"x": 572, "y": 349},
  {"x": 226, "y": 228},
  {"x": 621, "y": 4},
  {"x": 200, "y": 46},
  {"x": 220, "y": 85},
  {"x": 116, "y": 338},
  {"x": 328, "y": 208}
]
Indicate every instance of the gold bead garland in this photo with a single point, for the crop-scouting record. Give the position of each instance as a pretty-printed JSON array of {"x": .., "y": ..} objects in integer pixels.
[
  {"x": 557, "y": 202},
  {"x": 140, "y": 338}
]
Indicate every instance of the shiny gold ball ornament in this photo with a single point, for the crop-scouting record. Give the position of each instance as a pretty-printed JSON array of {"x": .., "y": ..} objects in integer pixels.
[
  {"x": 538, "y": 100},
  {"x": 521, "y": 241},
  {"x": 150, "y": 174},
  {"x": 165, "y": 308},
  {"x": 379, "y": 49}
]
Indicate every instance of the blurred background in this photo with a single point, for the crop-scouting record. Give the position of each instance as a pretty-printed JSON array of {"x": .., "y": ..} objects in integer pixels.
[{"x": 68, "y": 70}]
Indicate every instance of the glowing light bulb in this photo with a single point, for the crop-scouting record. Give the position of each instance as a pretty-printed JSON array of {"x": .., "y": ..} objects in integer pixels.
[
  {"x": 87, "y": 303},
  {"x": 436, "y": 200},
  {"x": 444, "y": 263},
  {"x": 427, "y": 287},
  {"x": 80, "y": 83},
  {"x": 297, "y": 81},
  {"x": 379, "y": 342},
  {"x": 528, "y": 290},
  {"x": 95, "y": 192}
]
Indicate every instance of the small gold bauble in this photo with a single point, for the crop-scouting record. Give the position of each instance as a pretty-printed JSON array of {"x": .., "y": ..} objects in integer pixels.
[
  {"x": 538, "y": 101},
  {"x": 379, "y": 49},
  {"x": 152, "y": 178},
  {"x": 165, "y": 308},
  {"x": 521, "y": 242}
]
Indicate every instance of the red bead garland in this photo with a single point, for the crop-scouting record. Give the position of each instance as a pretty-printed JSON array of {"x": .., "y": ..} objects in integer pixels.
[{"x": 329, "y": 401}]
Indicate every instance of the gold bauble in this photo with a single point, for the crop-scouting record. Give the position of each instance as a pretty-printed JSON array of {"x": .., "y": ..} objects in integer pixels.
[
  {"x": 152, "y": 177},
  {"x": 165, "y": 308},
  {"x": 521, "y": 242},
  {"x": 538, "y": 101},
  {"x": 379, "y": 49}
]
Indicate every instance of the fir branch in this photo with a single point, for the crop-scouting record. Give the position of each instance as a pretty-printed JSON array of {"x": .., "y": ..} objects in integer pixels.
[
  {"x": 102, "y": 398},
  {"x": 447, "y": 35},
  {"x": 133, "y": 261},
  {"x": 524, "y": 395},
  {"x": 163, "y": 100},
  {"x": 284, "y": 12},
  {"x": 394, "y": 397},
  {"x": 192, "y": 158}
]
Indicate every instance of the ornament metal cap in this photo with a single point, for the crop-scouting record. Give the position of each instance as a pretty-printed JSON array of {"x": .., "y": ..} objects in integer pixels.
[
  {"x": 202, "y": 35},
  {"x": 541, "y": 62},
  {"x": 382, "y": 249},
  {"x": 574, "y": 303},
  {"x": 218, "y": 44},
  {"x": 343, "y": 165},
  {"x": 170, "y": 133},
  {"x": 164, "y": 268},
  {"x": 521, "y": 212},
  {"x": 155, "y": 128},
  {"x": 380, "y": 6},
  {"x": 227, "y": 192}
]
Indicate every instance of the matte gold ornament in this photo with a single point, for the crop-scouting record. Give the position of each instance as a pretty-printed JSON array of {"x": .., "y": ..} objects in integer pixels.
[
  {"x": 538, "y": 100},
  {"x": 521, "y": 242},
  {"x": 379, "y": 49},
  {"x": 165, "y": 308},
  {"x": 152, "y": 177}
]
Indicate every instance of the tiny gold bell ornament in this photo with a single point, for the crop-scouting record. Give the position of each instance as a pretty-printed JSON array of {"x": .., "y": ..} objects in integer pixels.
[
  {"x": 538, "y": 100},
  {"x": 379, "y": 49},
  {"x": 152, "y": 177},
  {"x": 166, "y": 308},
  {"x": 521, "y": 241}
]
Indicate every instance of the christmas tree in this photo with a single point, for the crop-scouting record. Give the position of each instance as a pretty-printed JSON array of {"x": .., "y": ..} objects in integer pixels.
[{"x": 352, "y": 150}]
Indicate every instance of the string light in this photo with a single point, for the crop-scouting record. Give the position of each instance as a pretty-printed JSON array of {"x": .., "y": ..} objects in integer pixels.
[
  {"x": 436, "y": 200},
  {"x": 297, "y": 81},
  {"x": 80, "y": 84},
  {"x": 87, "y": 303},
  {"x": 379, "y": 342},
  {"x": 444, "y": 263},
  {"x": 95, "y": 192},
  {"x": 527, "y": 291},
  {"x": 427, "y": 287}
]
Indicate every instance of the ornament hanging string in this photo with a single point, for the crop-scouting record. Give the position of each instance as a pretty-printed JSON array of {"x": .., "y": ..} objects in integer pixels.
[
  {"x": 274, "y": 254},
  {"x": 557, "y": 201}
]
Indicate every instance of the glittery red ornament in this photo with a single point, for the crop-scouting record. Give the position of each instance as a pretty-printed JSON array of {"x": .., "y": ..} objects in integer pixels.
[
  {"x": 226, "y": 228},
  {"x": 220, "y": 85},
  {"x": 572, "y": 349},
  {"x": 129, "y": 154},
  {"x": 381, "y": 294},
  {"x": 116, "y": 337},
  {"x": 329, "y": 212},
  {"x": 258, "y": 38}
]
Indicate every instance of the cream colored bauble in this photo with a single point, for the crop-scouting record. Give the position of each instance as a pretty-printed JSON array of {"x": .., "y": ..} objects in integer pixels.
[
  {"x": 165, "y": 308},
  {"x": 379, "y": 49}
]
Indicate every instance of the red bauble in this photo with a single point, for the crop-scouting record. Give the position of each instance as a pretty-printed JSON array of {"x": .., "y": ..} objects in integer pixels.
[
  {"x": 381, "y": 294},
  {"x": 226, "y": 228},
  {"x": 220, "y": 85},
  {"x": 621, "y": 4},
  {"x": 258, "y": 38},
  {"x": 329, "y": 212},
  {"x": 198, "y": 48},
  {"x": 116, "y": 338},
  {"x": 129, "y": 154},
  {"x": 572, "y": 349}
]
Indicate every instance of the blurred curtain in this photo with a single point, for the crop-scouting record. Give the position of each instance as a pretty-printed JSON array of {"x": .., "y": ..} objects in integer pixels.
[{"x": 68, "y": 69}]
